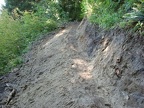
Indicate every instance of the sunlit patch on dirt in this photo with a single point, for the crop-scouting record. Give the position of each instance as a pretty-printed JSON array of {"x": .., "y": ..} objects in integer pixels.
[
  {"x": 105, "y": 43},
  {"x": 61, "y": 33},
  {"x": 107, "y": 49},
  {"x": 84, "y": 67},
  {"x": 72, "y": 47},
  {"x": 80, "y": 64},
  {"x": 86, "y": 75}
]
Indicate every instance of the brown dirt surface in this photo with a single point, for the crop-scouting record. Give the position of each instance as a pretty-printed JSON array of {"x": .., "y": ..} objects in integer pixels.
[{"x": 80, "y": 66}]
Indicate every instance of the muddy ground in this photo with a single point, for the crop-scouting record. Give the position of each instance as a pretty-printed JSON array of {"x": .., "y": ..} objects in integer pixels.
[{"x": 80, "y": 66}]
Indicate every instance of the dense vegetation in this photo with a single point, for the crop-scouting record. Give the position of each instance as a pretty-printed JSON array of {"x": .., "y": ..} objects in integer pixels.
[
  {"x": 22, "y": 21},
  {"x": 109, "y": 13},
  {"x": 19, "y": 28}
]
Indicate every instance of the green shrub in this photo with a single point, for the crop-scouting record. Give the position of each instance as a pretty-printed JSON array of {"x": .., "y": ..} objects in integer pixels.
[
  {"x": 108, "y": 13},
  {"x": 10, "y": 41},
  {"x": 105, "y": 13},
  {"x": 72, "y": 8},
  {"x": 136, "y": 14},
  {"x": 17, "y": 32}
]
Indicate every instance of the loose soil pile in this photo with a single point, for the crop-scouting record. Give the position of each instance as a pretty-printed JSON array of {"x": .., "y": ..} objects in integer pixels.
[{"x": 80, "y": 66}]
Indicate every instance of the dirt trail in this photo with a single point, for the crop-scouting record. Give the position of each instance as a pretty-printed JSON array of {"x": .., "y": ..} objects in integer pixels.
[{"x": 79, "y": 67}]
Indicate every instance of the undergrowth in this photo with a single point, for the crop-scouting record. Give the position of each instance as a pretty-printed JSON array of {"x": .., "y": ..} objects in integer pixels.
[
  {"x": 18, "y": 31},
  {"x": 111, "y": 13}
]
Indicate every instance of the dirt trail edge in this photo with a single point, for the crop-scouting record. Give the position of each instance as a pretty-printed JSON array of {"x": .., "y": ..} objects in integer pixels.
[{"x": 80, "y": 66}]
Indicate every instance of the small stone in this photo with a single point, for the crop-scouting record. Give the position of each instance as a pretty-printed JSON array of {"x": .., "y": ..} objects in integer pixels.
[
  {"x": 73, "y": 66},
  {"x": 118, "y": 60}
]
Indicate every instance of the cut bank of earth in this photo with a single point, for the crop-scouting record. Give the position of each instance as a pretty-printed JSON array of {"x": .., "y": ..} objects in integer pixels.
[{"x": 81, "y": 66}]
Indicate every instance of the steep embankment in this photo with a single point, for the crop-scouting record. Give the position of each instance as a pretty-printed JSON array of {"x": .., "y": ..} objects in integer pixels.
[{"x": 80, "y": 67}]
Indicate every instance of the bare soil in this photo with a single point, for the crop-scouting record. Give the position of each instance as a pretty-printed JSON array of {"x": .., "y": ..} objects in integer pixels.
[{"x": 80, "y": 66}]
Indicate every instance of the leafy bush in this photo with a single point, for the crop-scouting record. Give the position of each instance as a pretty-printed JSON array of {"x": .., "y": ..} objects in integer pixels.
[
  {"x": 10, "y": 42},
  {"x": 72, "y": 8},
  {"x": 108, "y": 13},
  {"x": 17, "y": 32},
  {"x": 103, "y": 12},
  {"x": 34, "y": 25},
  {"x": 136, "y": 14}
]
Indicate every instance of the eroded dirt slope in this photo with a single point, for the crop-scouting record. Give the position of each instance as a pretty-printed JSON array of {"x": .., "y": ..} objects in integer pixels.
[{"x": 80, "y": 66}]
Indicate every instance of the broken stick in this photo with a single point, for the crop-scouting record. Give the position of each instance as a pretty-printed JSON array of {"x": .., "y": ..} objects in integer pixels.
[{"x": 11, "y": 95}]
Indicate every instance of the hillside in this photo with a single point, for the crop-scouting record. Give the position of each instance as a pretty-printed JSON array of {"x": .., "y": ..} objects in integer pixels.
[{"x": 80, "y": 66}]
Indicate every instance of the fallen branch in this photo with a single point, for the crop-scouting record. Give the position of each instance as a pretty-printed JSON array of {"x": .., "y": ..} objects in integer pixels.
[{"x": 11, "y": 95}]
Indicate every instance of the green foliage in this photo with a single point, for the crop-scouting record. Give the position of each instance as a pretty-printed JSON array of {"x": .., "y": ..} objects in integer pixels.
[
  {"x": 103, "y": 12},
  {"x": 106, "y": 19},
  {"x": 20, "y": 4},
  {"x": 108, "y": 13},
  {"x": 136, "y": 14},
  {"x": 72, "y": 8},
  {"x": 34, "y": 25},
  {"x": 17, "y": 32},
  {"x": 10, "y": 42}
]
